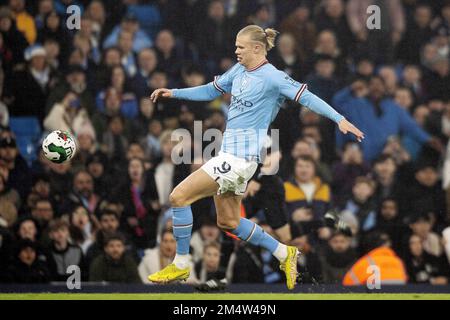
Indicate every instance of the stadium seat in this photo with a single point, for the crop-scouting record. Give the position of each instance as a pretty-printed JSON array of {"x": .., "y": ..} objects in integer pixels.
[
  {"x": 28, "y": 132},
  {"x": 25, "y": 126}
]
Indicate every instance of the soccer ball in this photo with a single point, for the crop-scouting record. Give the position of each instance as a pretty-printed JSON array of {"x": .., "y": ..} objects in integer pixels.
[{"x": 59, "y": 146}]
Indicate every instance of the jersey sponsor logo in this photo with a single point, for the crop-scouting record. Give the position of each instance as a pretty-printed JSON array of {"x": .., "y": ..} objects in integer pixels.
[
  {"x": 226, "y": 167},
  {"x": 240, "y": 103}
]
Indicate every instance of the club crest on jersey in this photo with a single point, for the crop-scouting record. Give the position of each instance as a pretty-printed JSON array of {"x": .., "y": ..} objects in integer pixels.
[{"x": 244, "y": 84}]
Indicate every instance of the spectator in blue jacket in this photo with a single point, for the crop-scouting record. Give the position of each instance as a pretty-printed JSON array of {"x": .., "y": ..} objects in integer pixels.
[
  {"x": 129, "y": 23},
  {"x": 378, "y": 116}
]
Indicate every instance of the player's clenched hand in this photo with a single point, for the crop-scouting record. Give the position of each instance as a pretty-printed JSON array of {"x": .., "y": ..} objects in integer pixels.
[
  {"x": 162, "y": 92},
  {"x": 345, "y": 127}
]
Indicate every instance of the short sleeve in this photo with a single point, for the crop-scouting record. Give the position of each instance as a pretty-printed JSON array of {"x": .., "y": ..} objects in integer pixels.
[
  {"x": 224, "y": 82},
  {"x": 290, "y": 88}
]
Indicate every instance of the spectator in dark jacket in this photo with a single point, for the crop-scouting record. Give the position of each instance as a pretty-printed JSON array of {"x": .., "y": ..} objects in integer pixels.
[
  {"x": 62, "y": 253},
  {"x": 109, "y": 221},
  {"x": 209, "y": 268},
  {"x": 346, "y": 170},
  {"x": 139, "y": 197},
  {"x": 27, "y": 268},
  {"x": 423, "y": 267},
  {"x": 390, "y": 222},
  {"x": 425, "y": 194},
  {"x": 336, "y": 258},
  {"x": 19, "y": 176},
  {"x": 114, "y": 265}
]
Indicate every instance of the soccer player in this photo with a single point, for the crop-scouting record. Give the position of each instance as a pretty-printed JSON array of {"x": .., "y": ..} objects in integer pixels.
[{"x": 258, "y": 89}]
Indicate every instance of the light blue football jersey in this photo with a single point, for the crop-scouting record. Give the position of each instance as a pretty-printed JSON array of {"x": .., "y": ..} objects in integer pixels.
[{"x": 256, "y": 97}]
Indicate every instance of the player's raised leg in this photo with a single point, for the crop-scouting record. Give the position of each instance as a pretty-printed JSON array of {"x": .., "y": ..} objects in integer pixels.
[
  {"x": 196, "y": 186},
  {"x": 229, "y": 219}
]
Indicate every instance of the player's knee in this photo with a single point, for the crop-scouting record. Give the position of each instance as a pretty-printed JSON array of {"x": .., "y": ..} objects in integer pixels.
[
  {"x": 177, "y": 199},
  {"x": 227, "y": 224}
]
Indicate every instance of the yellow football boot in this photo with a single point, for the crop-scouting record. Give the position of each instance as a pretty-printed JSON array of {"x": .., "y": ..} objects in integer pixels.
[
  {"x": 169, "y": 274},
  {"x": 289, "y": 266}
]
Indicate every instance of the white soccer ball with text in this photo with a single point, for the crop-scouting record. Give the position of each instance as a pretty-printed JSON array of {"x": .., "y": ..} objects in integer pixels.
[{"x": 59, "y": 146}]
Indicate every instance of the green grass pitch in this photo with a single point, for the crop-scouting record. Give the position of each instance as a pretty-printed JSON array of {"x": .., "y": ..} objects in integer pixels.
[{"x": 222, "y": 296}]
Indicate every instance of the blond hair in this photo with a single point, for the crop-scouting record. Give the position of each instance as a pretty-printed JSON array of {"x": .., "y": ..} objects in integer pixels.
[{"x": 265, "y": 36}]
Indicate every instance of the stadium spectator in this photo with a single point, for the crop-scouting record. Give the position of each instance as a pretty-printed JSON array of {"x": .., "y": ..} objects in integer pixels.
[
  {"x": 361, "y": 203},
  {"x": 83, "y": 227},
  {"x": 216, "y": 43},
  {"x": 425, "y": 193},
  {"x": 305, "y": 189},
  {"x": 168, "y": 57},
  {"x": 12, "y": 38},
  {"x": 142, "y": 128},
  {"x": 332, "y": 17},
  {"x": 379, "y": 43},
  {"x": 34, "y": 83},
  {"x": 287, "y": 58},
  {"x": 390, "y": 78},
  {"x": 209, "y": 267},
  {"x": 27, "y": 268},
  {"x": 97, "y": 166},
  {"x": 139, "y": 197},
  {"x": 423, "y": 267},
  {"x": 208, "y": 232},
  {"x": 69, "y": 115},
  {"x": 130, "y": 24},
  {"x": 13, "y": 165},
  {"x": 385, "y": 173},
  {"x": 421, "y": 225},
  {"x": 74, "y": 81},
  {"x": 8, "y": 194},
  {"x": 383, "y": 117},
  {"x": 109, "y": 223},
  {"x": 82, "y": 193},
  {"x": 118, "y": 82},
  {"x": 62, "y": 253},
  {"x": 336, "y": 257},
  {"x": 322, "y": 80},
  {"x": 309, "y": 266},
  {"x": 377, "y": 253},
  {"x": 389, "y": 221},
  {"x": 159, "y": 257},
  {"x": 43, "y": 8},
  {"x": 147, "y": 62},
  {"x": 299, "y": 25},
  {"x": 55, "y": 29},
  {"x": 346, "y": 171},
  {"x": 326, "y": 44},
  {"x": 8, "y": 213},
  {"x": 24, "y": 21},
  {"x": 114, "y": 265},
  {"x": 416, "y": 35}
]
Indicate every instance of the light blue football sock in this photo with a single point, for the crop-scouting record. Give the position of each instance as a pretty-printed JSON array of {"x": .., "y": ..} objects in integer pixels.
[
  {"x": 251, "y": 232},
  {"x": 182, "y": 228}
]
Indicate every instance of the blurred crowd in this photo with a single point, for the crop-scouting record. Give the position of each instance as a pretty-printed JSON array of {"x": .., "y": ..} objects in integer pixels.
[{"x": 106, "y": 210}]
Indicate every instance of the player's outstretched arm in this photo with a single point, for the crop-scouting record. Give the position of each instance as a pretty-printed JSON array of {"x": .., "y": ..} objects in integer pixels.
[
  {"x": 346, "y": 127},
  {"x": 162, "y": 92},
  {"x": 319, "y": 106},
  {"x": 205, "y": 92}
]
